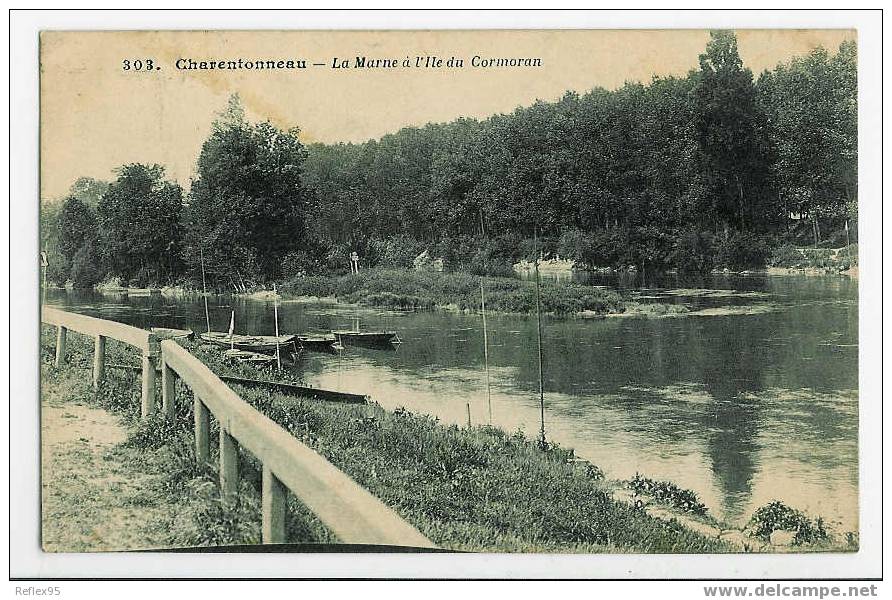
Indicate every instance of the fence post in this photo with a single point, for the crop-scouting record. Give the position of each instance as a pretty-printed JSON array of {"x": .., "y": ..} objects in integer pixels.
[
  {"x": 168, "y": 389},
  {"x": 228, "y": 466},
  {"x": 98, "y": 361},
  {"x": 202, "y": 425},
  {"x": 61, "y": 338},
  {"x": 148, "y": 384},
  {"x": 273, "y": 507}
]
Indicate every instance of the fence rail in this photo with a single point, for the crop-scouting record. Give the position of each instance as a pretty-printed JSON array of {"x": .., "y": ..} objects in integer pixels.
[
  {"x": 100, "y": 329},
  {"x": 353, "y": 514}
]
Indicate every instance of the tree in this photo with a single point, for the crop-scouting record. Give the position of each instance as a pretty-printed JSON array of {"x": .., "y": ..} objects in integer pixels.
[
  {"x": 88, "y": 190},
  {"x": 76, "y": 227},
  {"x": 248, "y": 205},
  {"x": 731, "y": 132},
  {"x": 811, "y": 103},
  {"x": 139, "y": 216}
]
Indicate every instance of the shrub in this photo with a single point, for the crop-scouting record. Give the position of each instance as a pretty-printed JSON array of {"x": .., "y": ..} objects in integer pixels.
[
  {"x": 397, "y": 251},
  {"x": 742, "y": 250},
  {"x": 301, "y": 262},
  {"x": 85, "y": 270},
  {"x": 666, "y": 492},
  {"x": 693, "y": 253},
  {"x": 786, "y": 255},
  {"x": 315, "y": 285},
  {"x": 776, "y": 516}
]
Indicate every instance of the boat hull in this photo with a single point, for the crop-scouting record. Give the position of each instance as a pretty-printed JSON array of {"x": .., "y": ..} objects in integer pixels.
[
  {"x": 366, "y": 338},
  {"x": 252, "y": 343},
  {"x": 317, "y": 343}
]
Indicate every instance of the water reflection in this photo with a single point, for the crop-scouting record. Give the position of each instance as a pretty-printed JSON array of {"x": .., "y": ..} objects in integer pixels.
[{"x": 741, "y": 408}]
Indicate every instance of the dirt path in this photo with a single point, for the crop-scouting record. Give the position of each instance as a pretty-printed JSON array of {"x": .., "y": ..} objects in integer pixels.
[{"x": 94, "y": 496}]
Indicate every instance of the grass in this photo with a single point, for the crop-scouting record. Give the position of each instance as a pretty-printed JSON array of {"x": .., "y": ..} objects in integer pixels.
[
  {"x": 473, "y": 489},
  {"x": 405, "y": 289}
]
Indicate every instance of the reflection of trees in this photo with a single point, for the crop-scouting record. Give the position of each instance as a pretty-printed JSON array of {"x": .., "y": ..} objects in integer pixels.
[{"x": 732, "y": 367}]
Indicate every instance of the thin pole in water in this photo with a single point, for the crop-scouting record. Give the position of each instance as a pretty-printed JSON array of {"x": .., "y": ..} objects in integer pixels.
[
  {"x": 469, "y": 414},
  {"x": 276, "y": 313},
  {"x": 486, "y": 352},
  {"x": 44, "y": 262},
  {"x": 204, "y": 289},
  {"x": 485, "y": 332},
  {"x": 232, "y": 331},
  {"x": 539, "y": 340}
]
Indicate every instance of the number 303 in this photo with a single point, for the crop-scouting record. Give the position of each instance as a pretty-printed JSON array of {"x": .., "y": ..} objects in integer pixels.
[{"x": 138, "y": 65}]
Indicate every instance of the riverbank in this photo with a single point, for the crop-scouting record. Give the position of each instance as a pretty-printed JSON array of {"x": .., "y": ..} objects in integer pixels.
[{"x": 473, "y": 489}]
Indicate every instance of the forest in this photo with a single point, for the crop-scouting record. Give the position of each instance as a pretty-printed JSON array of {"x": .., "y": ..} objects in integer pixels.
[{"x": 719, "y": 169}]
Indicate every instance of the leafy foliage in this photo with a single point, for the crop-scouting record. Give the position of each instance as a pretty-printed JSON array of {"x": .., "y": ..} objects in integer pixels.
[
  {"x": 776, "y": 516},
  {"x": 691, "y": 172},
  {"x": 653, "y": 175},
  {"x": 76, "y": 227},
  {"x": 666, "y": 492},
  {"x": 248, "y": 205},
  {"x": 139, "y": 215}
]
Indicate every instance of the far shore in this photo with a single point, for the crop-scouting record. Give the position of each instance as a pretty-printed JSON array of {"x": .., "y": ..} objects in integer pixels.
[{"x": 460, "y": 292}]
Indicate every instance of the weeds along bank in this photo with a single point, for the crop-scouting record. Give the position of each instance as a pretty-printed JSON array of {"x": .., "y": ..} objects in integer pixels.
[{"x": 474, "y": 489}]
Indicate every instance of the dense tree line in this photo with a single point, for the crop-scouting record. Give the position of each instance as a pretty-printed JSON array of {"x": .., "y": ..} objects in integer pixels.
[
  {"x": 689, "y": 172},
  {"x": 708, "y": 170}
]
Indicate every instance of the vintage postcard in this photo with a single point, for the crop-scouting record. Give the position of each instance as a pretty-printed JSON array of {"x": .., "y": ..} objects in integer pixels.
[{"x": 506, "y": 291}]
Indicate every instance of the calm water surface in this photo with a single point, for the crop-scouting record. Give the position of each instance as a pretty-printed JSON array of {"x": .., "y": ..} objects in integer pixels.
[{"x": 753, "y": 398}]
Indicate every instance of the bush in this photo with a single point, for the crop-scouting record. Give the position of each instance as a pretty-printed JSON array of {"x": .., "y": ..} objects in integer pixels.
[
  {"x": 778, "y": 516},
  {"x": 742, "y": 250},
  {"x": 693, "y": 253},
  {"x": 58, "y": 267},
  {"x": 397, "y": 251},
  {"x": 666, "y": 492},
  {"x": 310, "y": 259},
  {"x": 496, "y": 256},
  {"x": 573, "y": 245},
  {"x": 396, "y": 301},
  {"x": 600, "y": 248},
  {"x": 85, "y": 270},
  {"x": 786, "y": 255}
]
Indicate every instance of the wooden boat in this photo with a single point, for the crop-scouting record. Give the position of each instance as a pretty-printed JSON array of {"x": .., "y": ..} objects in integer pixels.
[
  {"x": 367, "y": 338},
  {"x": 319, "y": 342},
  {"x": 250, "y": 343},
  {"x": 168, "y": 333},
  {"x": 251, "y": 358}
]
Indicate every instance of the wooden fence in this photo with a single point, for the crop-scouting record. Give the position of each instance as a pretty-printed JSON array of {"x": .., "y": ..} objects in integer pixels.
[{"x": 353, "y": 514}]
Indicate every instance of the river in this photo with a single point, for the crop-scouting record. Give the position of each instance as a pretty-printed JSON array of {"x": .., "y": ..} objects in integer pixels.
[{"x": 752, "y": 398}]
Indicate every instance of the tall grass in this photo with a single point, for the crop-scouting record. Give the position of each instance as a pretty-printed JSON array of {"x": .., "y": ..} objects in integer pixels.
[{"x": 394, "y": 288}]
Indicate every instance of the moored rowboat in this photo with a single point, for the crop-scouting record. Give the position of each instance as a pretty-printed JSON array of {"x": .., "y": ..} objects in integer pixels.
[
  {"x": 250, "y": 343},
  {"x": 320, "y": 342}
]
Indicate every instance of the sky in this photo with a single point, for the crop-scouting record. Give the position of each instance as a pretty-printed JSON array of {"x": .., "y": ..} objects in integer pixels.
[{"x": 96, "y": 116}]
